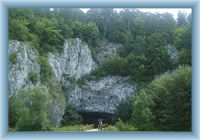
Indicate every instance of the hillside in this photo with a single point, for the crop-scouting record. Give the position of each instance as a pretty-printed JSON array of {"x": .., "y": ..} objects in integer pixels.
[{"x": 131, "y": 69}]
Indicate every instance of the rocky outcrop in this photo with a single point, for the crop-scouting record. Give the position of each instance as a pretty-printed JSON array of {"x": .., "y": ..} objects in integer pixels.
[
  {"x": 101, "y": 95},
  {"x": 75, "y": 61},
  {"x": 22, "y": 61},
  {"x": 97, "y": 95}
]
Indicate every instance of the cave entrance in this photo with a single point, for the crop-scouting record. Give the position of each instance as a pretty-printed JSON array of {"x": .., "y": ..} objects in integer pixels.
[{"x": 93, "y": 117}]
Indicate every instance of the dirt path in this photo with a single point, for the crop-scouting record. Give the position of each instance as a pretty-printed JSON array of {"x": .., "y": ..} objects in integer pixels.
[{"x": 92, "y": 130}]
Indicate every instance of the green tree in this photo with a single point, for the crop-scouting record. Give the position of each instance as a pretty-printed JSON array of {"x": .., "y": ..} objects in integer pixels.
[
  {"x": 142, "y": 115},
  {"x": 173, "y": 100},
  {"x": 166, "y": 103},
  {"x": 181, "y": 20},
  {"x": 71, "y": 116},
  {"x": 32, "y": 113},
  {"x": 124, "y": 110},
  {"x": 18, "y": 29},
  {"x": 91, "y": 34}
]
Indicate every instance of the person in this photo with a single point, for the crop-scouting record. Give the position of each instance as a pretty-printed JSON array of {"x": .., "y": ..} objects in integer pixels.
[{"x": 100, "y": 124}]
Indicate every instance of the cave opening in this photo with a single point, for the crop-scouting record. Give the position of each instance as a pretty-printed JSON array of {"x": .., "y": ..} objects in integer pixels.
[{"x": 93, "y": 117}]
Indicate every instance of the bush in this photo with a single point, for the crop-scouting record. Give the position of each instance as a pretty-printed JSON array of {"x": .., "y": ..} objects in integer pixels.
[
  {"x": 98, "y": 72},
  {"x": 46, "y": 70},
  {"x": 125, "y": 126},
  {"x": 13, "y": 58},
  {"x": 111, "y": 128},
  {"x": 33, "y": 76}
]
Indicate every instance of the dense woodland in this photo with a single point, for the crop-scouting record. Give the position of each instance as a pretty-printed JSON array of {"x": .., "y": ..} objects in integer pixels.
[{"x": 162, "y": 104}]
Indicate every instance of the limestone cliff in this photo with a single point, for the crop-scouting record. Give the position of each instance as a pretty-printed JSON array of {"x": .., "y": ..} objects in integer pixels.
[
  {"x": 75, "y": 61},
  {"x": 102, "y": 95},
  {"x": 22, "y": 60}
]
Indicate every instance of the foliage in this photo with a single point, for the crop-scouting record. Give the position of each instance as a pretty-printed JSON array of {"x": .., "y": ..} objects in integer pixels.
[
  {"x": 125, "y": 126},
  {"x": 111, "y": 128},
  {"x": 14, "y": 108},
  {"x": 71, "y": 116},
  {"x": 166, "y": 103},
  {"x": 45, "y": 69},
  {"x": 57, "y": 103},
  {"x": 13, "y": 58},
  {"x": 185, "y": 56},
  {"x": 32, "y": 114},
  {"x": 182, "y": 37},
  {"x": 124, "y": 109},
  {"x": 142, "y": 114},
  {"x": 33, "y": 76},
  {"x": 18, "y": 30}
]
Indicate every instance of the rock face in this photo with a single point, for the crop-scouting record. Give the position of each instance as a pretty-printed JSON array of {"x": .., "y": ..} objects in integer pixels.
[
  {"x": 101, "y": 95},
  {"x": 75, "y": 61},
  {"x": 22, "y": 60}
]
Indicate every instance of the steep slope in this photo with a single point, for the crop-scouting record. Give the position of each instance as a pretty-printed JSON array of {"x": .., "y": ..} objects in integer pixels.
[
  {"x": 22, "y": 60},
  {"x": 75, "y": 61}
]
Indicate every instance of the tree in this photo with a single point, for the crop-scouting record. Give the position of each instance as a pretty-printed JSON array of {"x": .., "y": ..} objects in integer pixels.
[
  {"x": 14, "y": 109},
  {"x": 32, "y": 113},
  {"x": 124, "y": 110},
  {"x": 71, "y": 116},
  {"x": 18, "y": 29},
  {"x": 166, "y": 103},
  {"x": 181, "y": 19},
  {"x": 142, "y": 115},
  {"x": 91, "y": 34},
  {"x": 182, "y": 37}
]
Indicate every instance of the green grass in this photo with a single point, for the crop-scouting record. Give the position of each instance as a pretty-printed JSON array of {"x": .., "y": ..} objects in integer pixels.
[
  {"x": 68, "y": 128},
  {"x": 11, "y": 129},
  {"x": 111, "y": 128}
]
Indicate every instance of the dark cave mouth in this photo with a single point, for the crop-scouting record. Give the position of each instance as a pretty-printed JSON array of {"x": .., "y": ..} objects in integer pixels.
[{"x": 93, "y": 117}]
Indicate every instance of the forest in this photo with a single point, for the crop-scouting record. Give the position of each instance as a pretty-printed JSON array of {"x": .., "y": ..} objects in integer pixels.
[{"x": 162, "y": 104}]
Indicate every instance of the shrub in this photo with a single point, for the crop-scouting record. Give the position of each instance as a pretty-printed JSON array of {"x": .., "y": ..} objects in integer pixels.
[
  {"x": 111, "y": 128},
  {"x": 125, "y": 126},
  {"x": 33, "y": 76},
  {"x": 13, "y": 58},
  {"x": 46, "y": 70}
]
